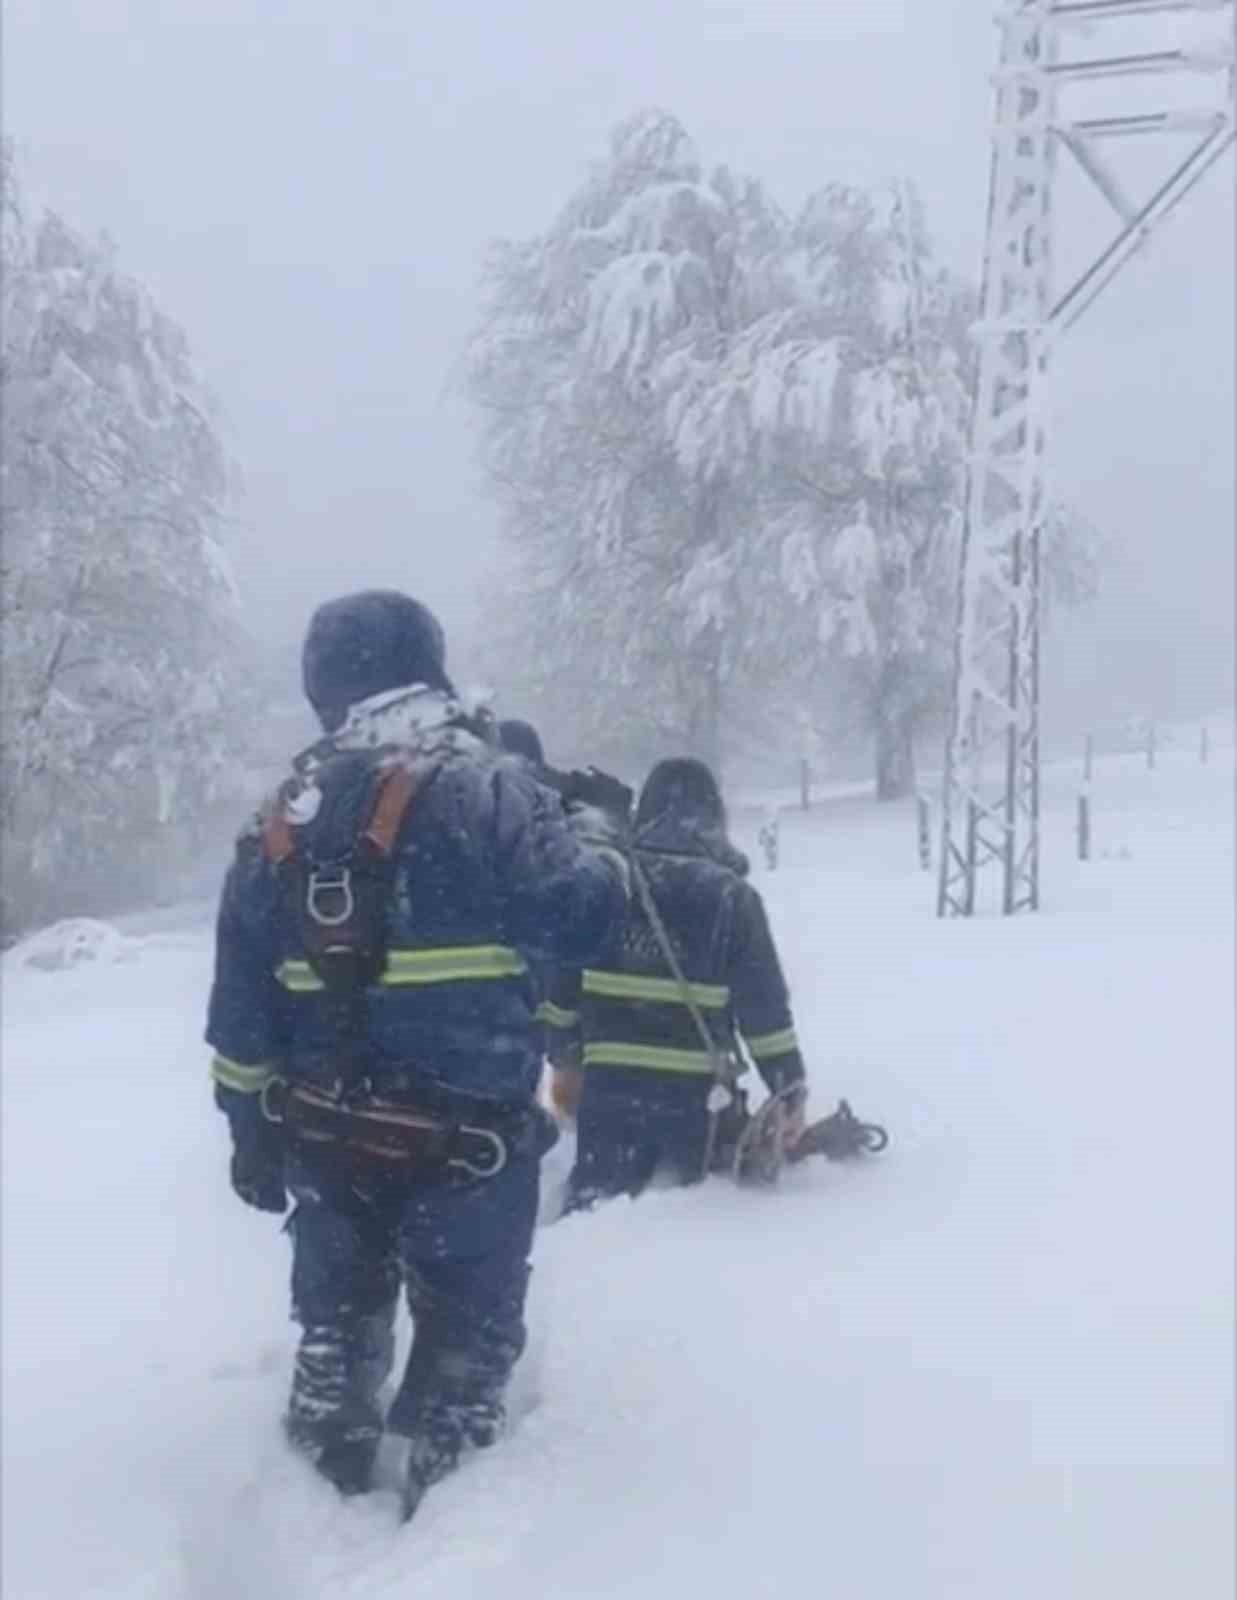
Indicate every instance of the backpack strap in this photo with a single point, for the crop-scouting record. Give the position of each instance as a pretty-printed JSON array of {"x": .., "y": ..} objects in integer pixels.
[
  {"x": 277, "y": 839},
  {"x": 394, "y": 793},
  {"x": 396, "y": 789}
]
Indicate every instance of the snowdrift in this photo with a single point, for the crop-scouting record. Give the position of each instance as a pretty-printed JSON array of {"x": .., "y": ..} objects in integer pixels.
[{"x": 994, "y": 1362}]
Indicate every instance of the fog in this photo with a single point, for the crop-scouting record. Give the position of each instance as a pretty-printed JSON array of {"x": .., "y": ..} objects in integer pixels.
[{"x": 308, "y": 189}]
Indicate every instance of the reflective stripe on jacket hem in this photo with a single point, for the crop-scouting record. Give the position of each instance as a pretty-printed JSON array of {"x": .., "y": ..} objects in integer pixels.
[
  {"x": 630, "y": 986},
  {"x": 658, "y": 1058},
  {"x": 236, "y": 1075},
  {"x": 442, "y": 964}
]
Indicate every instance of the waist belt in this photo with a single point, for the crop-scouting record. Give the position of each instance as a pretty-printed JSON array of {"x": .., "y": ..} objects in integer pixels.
[{"x": 401, "y": 1138}]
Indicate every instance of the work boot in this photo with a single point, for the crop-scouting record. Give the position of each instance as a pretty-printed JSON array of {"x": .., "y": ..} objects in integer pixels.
[
  {"x": 349, "y": 1464},
  {"x": 345, "y": 1459},
  {"x": 426, "y": 1464}
]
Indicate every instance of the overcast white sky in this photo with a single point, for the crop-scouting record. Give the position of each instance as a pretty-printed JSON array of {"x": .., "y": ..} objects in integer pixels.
[{"x": 308, "y": 187}]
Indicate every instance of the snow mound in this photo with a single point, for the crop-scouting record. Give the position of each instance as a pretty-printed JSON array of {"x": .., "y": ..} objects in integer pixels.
[{"x": 71, "y": 943}]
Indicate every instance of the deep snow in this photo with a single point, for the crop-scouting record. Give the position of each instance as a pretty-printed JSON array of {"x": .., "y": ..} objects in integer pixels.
[{"x": 995, "y": 1362}]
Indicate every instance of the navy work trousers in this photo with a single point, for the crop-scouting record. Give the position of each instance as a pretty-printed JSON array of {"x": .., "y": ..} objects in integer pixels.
[
  {"x": 460, "y": 1252},
  {"x": 635, "y": 1126}
]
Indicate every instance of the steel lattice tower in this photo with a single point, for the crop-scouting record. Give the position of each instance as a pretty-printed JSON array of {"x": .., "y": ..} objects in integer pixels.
[{"x": 995, "y": 721}]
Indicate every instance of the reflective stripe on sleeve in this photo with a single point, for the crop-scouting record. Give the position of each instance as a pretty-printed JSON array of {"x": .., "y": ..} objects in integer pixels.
[
  {"x": 658, "y": 1058},
  {"x": 631, "y": 986},
  {"x": 555, "y": 1016},
  {"x": 237, "y": 1075},
  {"x": 764, "y": 1045}
]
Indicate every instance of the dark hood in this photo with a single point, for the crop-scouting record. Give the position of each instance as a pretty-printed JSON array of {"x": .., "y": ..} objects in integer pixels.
[{"x": 683, "y": 837}]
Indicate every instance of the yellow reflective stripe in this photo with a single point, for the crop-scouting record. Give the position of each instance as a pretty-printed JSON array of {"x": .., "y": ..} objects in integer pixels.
[
  {"x": 446, "y": 963},
  {"x": 773, "y": 1044},
  {"x": 630, "y": 986},
  {"x": 440, "y": 964},
  {"x": 555, "y": 1016},
  {"x": 244, "y": 1079},
  {"x": 603, "y": 1053},
  {"x": 298, "y": 976}
]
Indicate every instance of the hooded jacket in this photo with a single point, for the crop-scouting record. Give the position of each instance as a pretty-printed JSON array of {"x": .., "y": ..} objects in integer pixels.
[
  {"x": 625, "y": 1016},
  {"x": 490, "y": 882}
]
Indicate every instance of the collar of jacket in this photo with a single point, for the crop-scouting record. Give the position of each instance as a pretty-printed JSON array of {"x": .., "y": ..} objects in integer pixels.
[
  {"x": 681, "y": 837},
  {"x": 416, "y": 721}
]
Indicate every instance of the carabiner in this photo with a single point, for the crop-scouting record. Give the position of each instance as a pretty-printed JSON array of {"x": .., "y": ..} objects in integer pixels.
[
  {"x": 497, "y": 1144},
  {"x": 264, "y": 1099}
]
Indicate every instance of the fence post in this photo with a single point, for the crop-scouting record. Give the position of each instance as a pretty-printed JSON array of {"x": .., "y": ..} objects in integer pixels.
[
  {"x": 1151, "y": 746},
  {"x": 1204, "y": 746},
  {"x": 1084, "y": 825},
  {"x": 1088, "y": 758},
  {"x": 805, "y": 784},
  {"x": 923, "y": 818}
]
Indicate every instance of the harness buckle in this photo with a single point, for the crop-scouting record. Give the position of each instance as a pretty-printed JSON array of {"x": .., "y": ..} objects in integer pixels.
[{"x": 328, "y": 896}]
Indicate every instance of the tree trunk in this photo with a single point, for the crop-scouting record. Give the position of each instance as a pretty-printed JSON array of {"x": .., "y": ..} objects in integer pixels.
[
  {"x": 705, "y": 730},
  {"x": 895, "y": 733}
]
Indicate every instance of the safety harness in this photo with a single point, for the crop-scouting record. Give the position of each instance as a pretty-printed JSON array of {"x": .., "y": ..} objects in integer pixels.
[{"x": 339, "y": 908}]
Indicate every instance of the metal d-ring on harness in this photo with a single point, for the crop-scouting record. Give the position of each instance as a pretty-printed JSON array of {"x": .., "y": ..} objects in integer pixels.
[
  {"x": 725, "y": 1072},
  {"x": 325, "y": 881}
]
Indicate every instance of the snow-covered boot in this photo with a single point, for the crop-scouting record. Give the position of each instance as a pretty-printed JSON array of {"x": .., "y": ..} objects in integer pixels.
[
  {"x": 427, "y": 1463},
  {"x": 349, "y": 1464},
  {"x": 344, "y": 1457}
]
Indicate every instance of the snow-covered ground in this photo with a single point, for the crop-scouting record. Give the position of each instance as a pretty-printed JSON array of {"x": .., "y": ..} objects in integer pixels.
[{"x": 996, "y": 1362}]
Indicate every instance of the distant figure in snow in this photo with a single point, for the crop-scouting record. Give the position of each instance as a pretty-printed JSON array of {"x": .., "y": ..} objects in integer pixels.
[
  {"x": 627, "y": 1051},
  {"x": 376, "y": 1050},
  {"x": 768, "y": 838}
]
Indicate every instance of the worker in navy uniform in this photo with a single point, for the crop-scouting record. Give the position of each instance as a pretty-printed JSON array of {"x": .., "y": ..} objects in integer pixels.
[
  {"x": 626, "y": 1040},
  {"x": 397, "y": 1107}
]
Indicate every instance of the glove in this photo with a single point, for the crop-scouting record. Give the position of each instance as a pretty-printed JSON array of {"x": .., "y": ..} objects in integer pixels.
[
  {"x": 259, "y": 1183},
  {"x": 598, "y": 791},
  {"x": 566, "y": 1087},
  {"x": 794, "y": 1117},
  {"x": 257, "y": 1174},
  {"x": 597, "y": 830}
]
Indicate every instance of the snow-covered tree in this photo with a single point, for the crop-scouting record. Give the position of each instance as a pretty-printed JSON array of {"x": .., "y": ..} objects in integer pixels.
[
  {"x": 593, "y": 333},
  {"x": 728, "y": 446},
  {"x": 870, "y": 540},
  {"x": 117, "y": 605}
]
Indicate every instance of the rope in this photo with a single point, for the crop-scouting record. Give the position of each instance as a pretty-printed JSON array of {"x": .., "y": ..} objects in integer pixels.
[{"x": 724, "y": 1075}]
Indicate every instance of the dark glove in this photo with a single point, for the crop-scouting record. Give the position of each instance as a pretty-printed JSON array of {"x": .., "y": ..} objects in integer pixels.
[
  {"x": 257, "y": 1174},
  {"x": 604, "y": 793},
  {"x": 597, "y": 830},
  {"x": 591, "y": 789}
]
